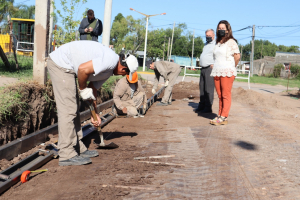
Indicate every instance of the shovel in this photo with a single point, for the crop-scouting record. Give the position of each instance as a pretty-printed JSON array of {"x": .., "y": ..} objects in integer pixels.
[{"x": 102, "y": 144}]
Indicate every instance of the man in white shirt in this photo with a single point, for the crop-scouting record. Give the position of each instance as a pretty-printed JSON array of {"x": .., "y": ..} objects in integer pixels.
[
  {"x": 207, "y": 84},
  {"x": 88, "y": 61}
]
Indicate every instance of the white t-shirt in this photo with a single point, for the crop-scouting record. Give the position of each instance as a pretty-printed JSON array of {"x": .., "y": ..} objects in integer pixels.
[
  {"x": 73, "y": 54},
  {"x": 224, "y": 61}
]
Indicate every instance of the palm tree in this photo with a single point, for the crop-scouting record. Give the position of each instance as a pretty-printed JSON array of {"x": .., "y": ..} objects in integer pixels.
[{"x": 25, "y": 12}]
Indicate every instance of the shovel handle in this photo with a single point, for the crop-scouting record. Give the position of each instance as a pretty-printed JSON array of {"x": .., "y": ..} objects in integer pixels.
[{"x": 95, "y": 118}]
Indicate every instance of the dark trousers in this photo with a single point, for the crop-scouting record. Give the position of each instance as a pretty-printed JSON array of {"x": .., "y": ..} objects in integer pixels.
[{"x": 207, "y": 86}]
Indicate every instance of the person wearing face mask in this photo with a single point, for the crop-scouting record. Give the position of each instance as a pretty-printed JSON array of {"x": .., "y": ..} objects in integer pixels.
[
  {"x": 90, "y": 27},
  {"x": 226, "y": 55},
  {"x": 206, "y": 83}
]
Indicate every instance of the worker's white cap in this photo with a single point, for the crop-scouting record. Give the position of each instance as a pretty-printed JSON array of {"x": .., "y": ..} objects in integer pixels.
[{"x": 132, "y": 64}]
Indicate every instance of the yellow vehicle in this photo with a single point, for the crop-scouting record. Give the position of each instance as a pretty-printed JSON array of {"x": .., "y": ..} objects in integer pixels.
[{"x": 22, "y": 37}]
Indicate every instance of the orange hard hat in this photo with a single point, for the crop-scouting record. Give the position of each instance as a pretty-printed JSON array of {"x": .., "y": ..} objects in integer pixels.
[{"x": 135, "y": 78}]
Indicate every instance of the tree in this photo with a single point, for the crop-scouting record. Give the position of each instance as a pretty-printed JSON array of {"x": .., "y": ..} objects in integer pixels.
[
  {"x": 7, "y": 8},
  {"x": 25, "y": 12},
  {"x": 118, "y": 31},
  {"x": 67, "y": 32}
]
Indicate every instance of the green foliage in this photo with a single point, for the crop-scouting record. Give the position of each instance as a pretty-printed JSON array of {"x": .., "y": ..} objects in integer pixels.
[
  {"x": 271, "y": 81},
  {"x": 25, "y": 67},
  {"x": 25, "y": 12},
  {"x": 265, "y": 48},
  {"x": 67, "y": 33},
  {"x": 11, "y": 103},
  {"x": 7, "y": 8},
  {"x": 295, "y": 70},
  {"x": 129, "y": 33},
  {"x": 277, "y": 70}
]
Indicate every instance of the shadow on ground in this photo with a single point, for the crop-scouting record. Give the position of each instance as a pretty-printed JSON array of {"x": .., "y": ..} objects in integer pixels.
[
  {"x": 205, "y": 115},
  {"x": 246, "y": 145}
]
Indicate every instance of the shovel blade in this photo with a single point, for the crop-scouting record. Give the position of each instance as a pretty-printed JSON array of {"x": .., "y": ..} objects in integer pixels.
[{"x": 107, "y": 146}]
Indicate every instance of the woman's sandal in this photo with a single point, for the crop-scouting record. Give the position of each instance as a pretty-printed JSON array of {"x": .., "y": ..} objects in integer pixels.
[
  {"x": 214, "y": 120},
  {"x": 220, "y": 121}
]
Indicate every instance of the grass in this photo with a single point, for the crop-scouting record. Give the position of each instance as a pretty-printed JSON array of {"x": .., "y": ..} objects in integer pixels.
[
  {"x": 11, "y": 104},
  {"x": 25, "y": 67},
  {"x": 270, "y": 80}
]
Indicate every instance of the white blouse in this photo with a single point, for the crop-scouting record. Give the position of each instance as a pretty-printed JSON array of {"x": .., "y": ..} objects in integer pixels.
[{"x": 224, "y": 61}]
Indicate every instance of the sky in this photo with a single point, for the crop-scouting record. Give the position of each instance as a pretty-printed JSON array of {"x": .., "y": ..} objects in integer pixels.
[{"x": 202, "y": 15}]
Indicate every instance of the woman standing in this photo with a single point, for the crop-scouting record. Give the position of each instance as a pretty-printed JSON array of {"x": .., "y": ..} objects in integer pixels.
[{"x": 226, "y": 56}]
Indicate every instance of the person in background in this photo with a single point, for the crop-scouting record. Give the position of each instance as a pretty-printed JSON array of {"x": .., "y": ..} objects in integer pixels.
[
  {"x": 128, "y": 96},
  {"x": 226, "y": 56},
  {"x": 90, "y": 27},
  {"x": 207, "y": 85},
  {"x": 169, "y": 71}
]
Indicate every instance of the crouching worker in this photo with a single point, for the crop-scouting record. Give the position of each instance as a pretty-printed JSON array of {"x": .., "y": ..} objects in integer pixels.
[
  {"x": 129, "y": 95},
  {"x": 88, "y": 61},
  {"x": 169, "y": 71}
]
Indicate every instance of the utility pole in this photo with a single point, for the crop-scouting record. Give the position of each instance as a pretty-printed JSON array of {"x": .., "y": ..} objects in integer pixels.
[
  {"x": 241, "y": 54},
  {"x": 164, "y": 48},
  {"x": 262, "y": 44},
  {"x": 40, "y": 40},
  {"x": 51, "y": 26},
  {"x": 193, "y": 48},
  {"x": 252, "y": 51},
  {"x": 172, "y": 42},
  {"x": 168, "y": 49},
  {"x": 107, "y": 22}
]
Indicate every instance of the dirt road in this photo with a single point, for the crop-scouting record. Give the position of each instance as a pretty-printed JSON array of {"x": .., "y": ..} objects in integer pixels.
[{"x": 255, "y": 156}]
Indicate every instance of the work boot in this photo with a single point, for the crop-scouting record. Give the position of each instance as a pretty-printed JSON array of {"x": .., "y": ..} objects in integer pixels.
[
  {"x": 76, "y": 160},
  {"x": 169, "y": 103},
  {"x": 161, "y": 104},
  {"x": 89, "y": 154}
]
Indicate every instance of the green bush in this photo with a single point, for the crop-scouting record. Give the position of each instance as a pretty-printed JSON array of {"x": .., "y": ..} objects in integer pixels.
[
  {"x": 295, "y": 70},
  {"x": 277, "y": 70}
]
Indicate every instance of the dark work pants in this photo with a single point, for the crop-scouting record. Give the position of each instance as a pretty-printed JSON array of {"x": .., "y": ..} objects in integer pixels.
[{"x": 207, "y": 87}]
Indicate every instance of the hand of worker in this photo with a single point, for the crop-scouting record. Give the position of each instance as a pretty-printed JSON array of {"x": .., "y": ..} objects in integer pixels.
[
  {"x": 153, "y": 91},
  {"x": 166, "y": 83},
  {"x": 211, "y": 66},
  {"x": 124, "y": 110},
  {"x": 96, "y": 123},
  {"x": 87, "y": 94},
  {"x": 86, "y": 30},
  {"x": 91, "y": 29}
]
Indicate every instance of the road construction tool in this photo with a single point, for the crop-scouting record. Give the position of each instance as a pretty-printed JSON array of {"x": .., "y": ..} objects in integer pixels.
[
  {"x": 25, "y": 175},
  {"x": 102, "y": 144}
]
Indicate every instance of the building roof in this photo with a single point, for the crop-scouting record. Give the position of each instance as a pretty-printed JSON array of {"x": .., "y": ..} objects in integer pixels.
[{"x": 286, "y": 53}]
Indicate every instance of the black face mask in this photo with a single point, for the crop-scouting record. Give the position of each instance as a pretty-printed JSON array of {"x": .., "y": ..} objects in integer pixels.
[
  {"x": 90, "y": 21},
  {"x": 221, "y": 33},
  {"x": 208, "y": 39}
]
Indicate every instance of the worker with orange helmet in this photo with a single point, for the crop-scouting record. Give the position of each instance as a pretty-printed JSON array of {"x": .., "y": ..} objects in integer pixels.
[{"x": 129, "y": 96}]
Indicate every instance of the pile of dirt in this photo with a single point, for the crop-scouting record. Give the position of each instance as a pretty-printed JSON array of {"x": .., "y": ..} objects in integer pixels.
[
  {"x": 184, "y": 89},
  {"x": 251, "y": 97}
]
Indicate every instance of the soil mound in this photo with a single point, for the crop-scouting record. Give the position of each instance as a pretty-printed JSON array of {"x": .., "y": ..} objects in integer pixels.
[
  {"x": 184, "y": 89},
  {"x": 251, "y": 97}
]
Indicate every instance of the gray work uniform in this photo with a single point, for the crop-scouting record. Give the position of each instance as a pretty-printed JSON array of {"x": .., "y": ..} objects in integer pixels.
[
  {"x": 169, "y": 71},
  {"x": 97, "y": 30},
  {"x": 130, "y": 96},
  {"x": 63, "y": 68},
  {"x": 206, "y": 81}
]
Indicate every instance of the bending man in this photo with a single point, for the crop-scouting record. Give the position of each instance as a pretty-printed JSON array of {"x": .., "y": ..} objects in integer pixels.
[
  {"x": 89, "y": 61},
  {"x": 169, "y": 71},
  {"x": 129, "y": 95}
]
